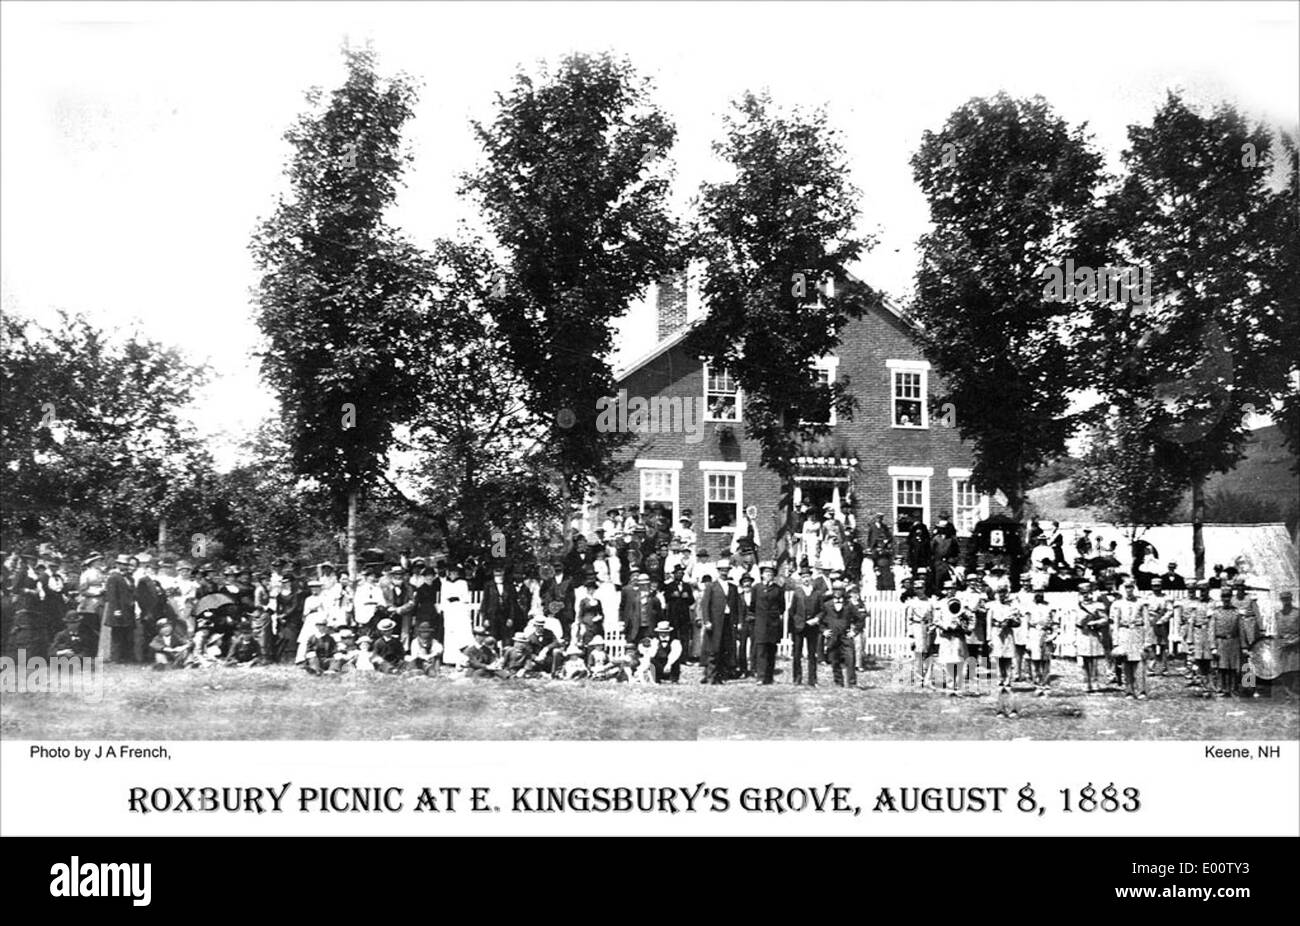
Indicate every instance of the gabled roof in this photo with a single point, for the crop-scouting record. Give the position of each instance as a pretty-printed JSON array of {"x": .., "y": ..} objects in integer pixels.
[{"x": 680, "y": 335}]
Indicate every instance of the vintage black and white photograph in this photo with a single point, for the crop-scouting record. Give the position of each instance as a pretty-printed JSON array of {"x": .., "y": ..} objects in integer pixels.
[{"x": 650, "y": 371}]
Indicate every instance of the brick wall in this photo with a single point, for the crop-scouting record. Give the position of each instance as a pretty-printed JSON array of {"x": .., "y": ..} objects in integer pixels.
[
  {"x": 870, "y": 437},
  {"x": 670, "y": 304}
]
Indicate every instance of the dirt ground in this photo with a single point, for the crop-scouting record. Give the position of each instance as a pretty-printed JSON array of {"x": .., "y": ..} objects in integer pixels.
[{"x": 278, "y": 702}]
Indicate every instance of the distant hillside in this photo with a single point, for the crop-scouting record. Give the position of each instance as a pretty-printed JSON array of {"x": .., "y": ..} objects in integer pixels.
[{"x": 1262, "y": 488}]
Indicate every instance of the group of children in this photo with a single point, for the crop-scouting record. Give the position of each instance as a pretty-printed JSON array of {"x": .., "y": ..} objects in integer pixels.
[
  {"x": 1228, "y": 643},
  {"x": 533, "y": 653}
]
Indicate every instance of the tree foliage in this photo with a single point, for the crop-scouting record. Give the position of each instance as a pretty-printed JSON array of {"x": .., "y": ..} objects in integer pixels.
[
  {"x": 1007, "y": 181},
  {"x": 1196, "y": 211},
  {"x": 775, "y": 242},
  {"x": 479, "y": 463},
  {"x": 574, "y": 187},
  {"x": 1124, "y": 474},
  {"x": 340, "y": 299},
  {"x": 95, "y": 442}
]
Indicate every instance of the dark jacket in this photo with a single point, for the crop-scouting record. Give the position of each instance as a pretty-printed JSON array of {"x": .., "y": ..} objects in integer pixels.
[
  {"x": 495, "y": 610},
  {"x": 713, "y": 610},
  {"x": 836, "y": 623},
  {"x": 806, "y": 606},
  {"x": 119, "y": 601},
  {"x": 72, "y": 641},
  {"x": 769, "y": 606},
  {"x": 638, "y": 618},
  {"x": 149, "y": 597},
  {"x": 389, "y": 649}
]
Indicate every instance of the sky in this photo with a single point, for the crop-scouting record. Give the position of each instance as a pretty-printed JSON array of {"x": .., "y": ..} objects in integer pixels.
[{"x": 140, "y": 143}]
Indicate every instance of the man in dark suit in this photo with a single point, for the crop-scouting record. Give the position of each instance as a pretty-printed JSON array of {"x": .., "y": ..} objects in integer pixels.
[
  {"x": 495, "y": 609},
  {"x": 72, "y": 642},
  {"x": 714, "y": 612},
  {"x": 638, "y": 609},
  {"x": 805, "y": 624},
  {"x": 918, "y": 548},
  {"x": 1172, "y": 580},
  {"x": 117, "y": 640},
  {"x": 769, "y": 606},
  {"x": 150, "y": 598},
  {"x": 842, "y": 623},
  {"x": 679, "y": 599},
  {"x": 742, "y": 623},
  {"x": 557, "y": 592}
]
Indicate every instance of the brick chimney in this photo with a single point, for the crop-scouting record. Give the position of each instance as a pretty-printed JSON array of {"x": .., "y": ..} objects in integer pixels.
[{"x": 670, "y": 303}]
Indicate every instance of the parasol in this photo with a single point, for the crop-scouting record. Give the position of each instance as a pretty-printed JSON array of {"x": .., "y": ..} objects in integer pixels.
[{"x": 212, "y": 602}]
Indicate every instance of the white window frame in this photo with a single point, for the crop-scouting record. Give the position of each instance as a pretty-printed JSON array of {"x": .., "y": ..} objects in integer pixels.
[
  {"x": 958, "y": 475},
  {"x": 673, "y": 468},
  {"x": 722, "y": 468},
  {"x": 922, "y": 369},
  {"x": 922, "y": 474},
  {"x": 708, "y": 412}
]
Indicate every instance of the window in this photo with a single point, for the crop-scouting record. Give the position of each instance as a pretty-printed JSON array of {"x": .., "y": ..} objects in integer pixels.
[
  {"x": 659, "y": 494},
  {"x": 825, "y": 369},
  {"x": 909, "y": 499},
  {"x": 721, "y": 396},
  {"x": 968, "y": 506},
  {"x": 911, "y": 493},
  {"x": 909, "y": 386},
  {"x": 722, "y": 500}
]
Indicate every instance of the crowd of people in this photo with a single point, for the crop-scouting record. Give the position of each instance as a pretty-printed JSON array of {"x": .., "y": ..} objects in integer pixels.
[{"x": 637, "y": 601}]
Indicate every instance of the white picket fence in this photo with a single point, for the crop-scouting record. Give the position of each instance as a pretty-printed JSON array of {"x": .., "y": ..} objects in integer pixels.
[{"x": 886, "y": 632}]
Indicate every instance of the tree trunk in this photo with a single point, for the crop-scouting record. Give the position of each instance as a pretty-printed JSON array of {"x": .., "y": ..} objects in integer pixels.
[
  {"x": 352, "y": 533},
  {"x": 1198, "y": 520},
  {"x": 783, "y": 540},
  {"x": 1016, "y": 502},
  {"x": 162, "y": 536}
]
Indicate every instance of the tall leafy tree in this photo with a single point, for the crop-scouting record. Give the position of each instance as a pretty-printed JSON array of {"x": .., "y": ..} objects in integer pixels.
[
  {"x": 481, "y": 468},
  {"x": 1196, "y": 211},
  {"x": 341, "y": 296},
  {"x": 574, "y": 187},
  {"x": 775, "y": 242},
  {"x": 95, "y": 444},
  {"x": 1125, "y": 473},
  {"x": 1007, "y": 181},
  {"x": 1284, "y": 238}
]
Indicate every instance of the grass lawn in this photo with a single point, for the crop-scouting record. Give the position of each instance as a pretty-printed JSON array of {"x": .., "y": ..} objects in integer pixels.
[{"x": 284, "y": 703}]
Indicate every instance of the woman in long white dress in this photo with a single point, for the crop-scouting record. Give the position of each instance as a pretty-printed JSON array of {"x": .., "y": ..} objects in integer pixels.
[
  {"x": 457, "y": 627},
  {"x": 831, "y": 557},
  {"x": 809, "y": 540}
]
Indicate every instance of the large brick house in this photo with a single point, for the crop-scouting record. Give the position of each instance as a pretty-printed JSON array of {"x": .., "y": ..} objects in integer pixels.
[{"x": 899, "y": 454}]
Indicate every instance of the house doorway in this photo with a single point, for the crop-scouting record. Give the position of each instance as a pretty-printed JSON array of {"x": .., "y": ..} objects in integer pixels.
[{"x": 812, "y": 493}]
